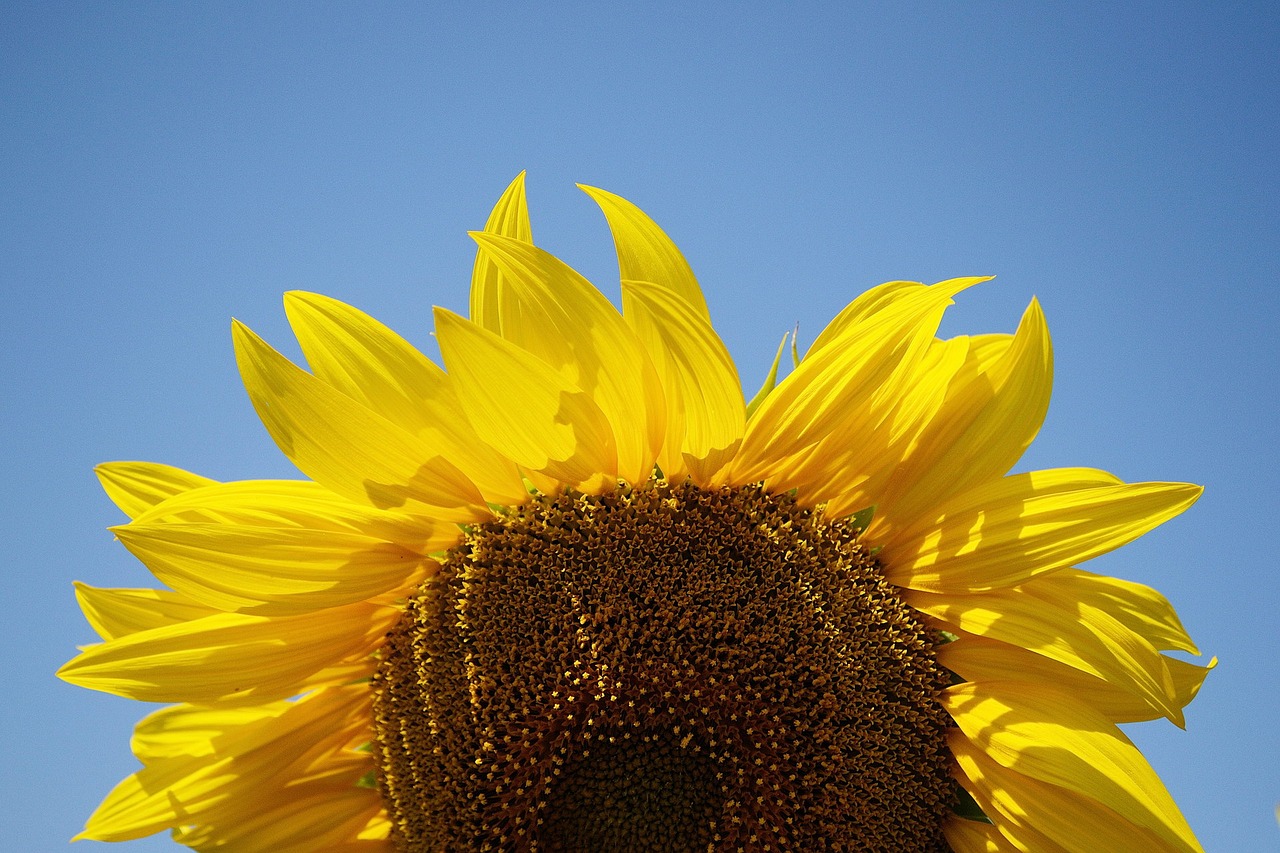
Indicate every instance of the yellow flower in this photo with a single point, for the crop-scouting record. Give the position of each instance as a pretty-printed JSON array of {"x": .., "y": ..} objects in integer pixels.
[{"x": 574, "y": 593}]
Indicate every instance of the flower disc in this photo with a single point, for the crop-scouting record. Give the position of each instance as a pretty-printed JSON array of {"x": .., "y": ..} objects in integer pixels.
[{"x": 662, "y": 668}]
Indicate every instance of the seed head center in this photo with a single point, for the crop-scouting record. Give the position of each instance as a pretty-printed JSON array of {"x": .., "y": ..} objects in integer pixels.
[{"x": 662, "y": 668}]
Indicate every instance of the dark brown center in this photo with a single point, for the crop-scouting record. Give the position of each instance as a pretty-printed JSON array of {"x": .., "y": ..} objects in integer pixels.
[{"x": 662, "y": 668}]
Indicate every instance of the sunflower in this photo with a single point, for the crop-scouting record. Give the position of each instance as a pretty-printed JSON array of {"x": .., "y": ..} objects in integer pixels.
[{"x": 574, "y": 592}]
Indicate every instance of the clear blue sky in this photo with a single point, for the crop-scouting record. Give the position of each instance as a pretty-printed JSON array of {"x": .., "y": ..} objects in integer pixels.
[{"x": 165, "y": 166}]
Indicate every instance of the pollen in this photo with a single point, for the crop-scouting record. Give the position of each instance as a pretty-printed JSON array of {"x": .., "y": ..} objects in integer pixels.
[{"x": 662, "y": 668}]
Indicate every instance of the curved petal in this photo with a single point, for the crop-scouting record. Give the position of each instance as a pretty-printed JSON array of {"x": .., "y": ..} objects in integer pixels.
[
  {"x": 570, "y": 325},
  {"x": 1035, "y": 812},
  {"x": 867, "y": 303},
  {"x": 524, "y": 408},
  {"x": 987, "y": 418},
  {"x": 971, "y": 836},
  {"x": 342, "y": 445},
  {"x": 645, "y": 252},
  {"x": 270, "y": 571},
  {"x": 230, "y": 657},
  {"x": 324, "y": 816},
  {"x": 1075, "y": 634},
  {"x": 135, "y": 487},
  {"x": 380, "y": 370},
  {"x": 194, "y": 731},
  {"x": 1140, "y": 608},
  {"x": 1010, "y": 530},
  {"x": 843, "y": 392},
  {"x": 1050, "y": 736},
  {"x": 183, "y": 788},
  {"x": 491, "y": 300},
  {"x": 299, "y": 504},
  {"x": 976, "y": 658},
  {"x": 705, "y": 410},
  {"x": 116, "y": 613}
]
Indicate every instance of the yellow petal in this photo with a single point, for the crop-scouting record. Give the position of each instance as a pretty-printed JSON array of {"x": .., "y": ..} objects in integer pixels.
[
  {"x": 971, "y": 836},
  {"x": 116, "y": 613},
  {"x": 1048, "y": 735},
  {"x": 1036, "y": 811},
  {"x": 491, "y": 301},
  {"x": 135, "y": 487},
  {"x": 1009, "y": 530},
  {"x": 183, "y": 789},
  {"x": 570, "y": 325},
  {"x": 524, "y": 408},
  {"x": 851, "y": 474},
  {"x": 1139, "y": 607},
  {"x": 1078, "y": 635},
  {"x": 270, "y": 571},
  {"x": 230, "y": 657},
  {"x": 645, "y": 252},
  {"x": 845, "y": 391},
  {"x": 313, "y": 817},
  {"x": 705, "y": 410},
  {"x": 975, "y": 658},
  {"x": 194, "y": 730},
  {"x": 876, "y": 299},
  {"x": 989, "y": 415},
  {"x": 342, "y": 445},
  {"x": 301, "y": 504},
  {"x": 380, "y": 370}
]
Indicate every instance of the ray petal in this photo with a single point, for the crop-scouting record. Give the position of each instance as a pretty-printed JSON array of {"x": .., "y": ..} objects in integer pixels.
[
  {"x": 524, "y": 408},
  {"x": 990, "y": 414},
  {"x": 135, "y": 487},
  {"x": 1037, "y": 813},
  {"x": 230, "y": 657},
  {"x": 116, "y": 613},
  {"x": 380, "y": 370},
  {"x": 573, "y": 328},
  {"x": 347, "y": 448},
  {"x": 491, "y": 301},
  {"x": 1007, "y": 531},
  {"x": 705, "y": 410},
  {"x": 1050, "y": 736},
  {"x": 1078, "y": 635},
  {"x": 645, "y": 252},
  {"x": 270, "y": 571}
]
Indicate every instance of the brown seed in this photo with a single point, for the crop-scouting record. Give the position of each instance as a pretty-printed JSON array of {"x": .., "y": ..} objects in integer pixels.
[{"x": 662, "y": 668}]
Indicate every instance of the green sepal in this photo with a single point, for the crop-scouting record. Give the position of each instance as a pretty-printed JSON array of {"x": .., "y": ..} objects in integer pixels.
[
  {"x": 368, "y": 780},
  {"x": 862, "y": 518},
  {"x": 770, "y": 381},
  {"x": 968, "y": 808}
]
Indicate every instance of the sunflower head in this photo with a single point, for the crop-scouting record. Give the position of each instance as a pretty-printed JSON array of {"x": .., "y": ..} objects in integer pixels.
[{"x": 573, "y": 592}]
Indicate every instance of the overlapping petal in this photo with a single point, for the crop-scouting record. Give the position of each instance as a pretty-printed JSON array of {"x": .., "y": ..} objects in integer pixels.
[
  {"x": 376, "y": 367},
  {"x": 116, "y": 613},
  {"x": 989, "y": 411},
  {"x": 539, "y": 419},
  {"x": 646, "y": 253},
  {"x": 281, "y": 746},
  {"x": 705, "y": 411},
  {"x": 492, "y": 303},
  {"x": 844, "y": 394},
  {"x": 345, "y": 447},
  {"x": 1049, "y": 736},
  {"x": 270, "y": 571},
  {"x": 230, "y": 657},
  {"x": 977, "y": 658},
  {"x": 569, "y": 325},
  {"x": 1009, "y": 530},
  {"x": 135, "y": 487}
]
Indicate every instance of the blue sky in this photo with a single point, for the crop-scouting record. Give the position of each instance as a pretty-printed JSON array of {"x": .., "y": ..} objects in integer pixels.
[{"x": 165, "y": 167}]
